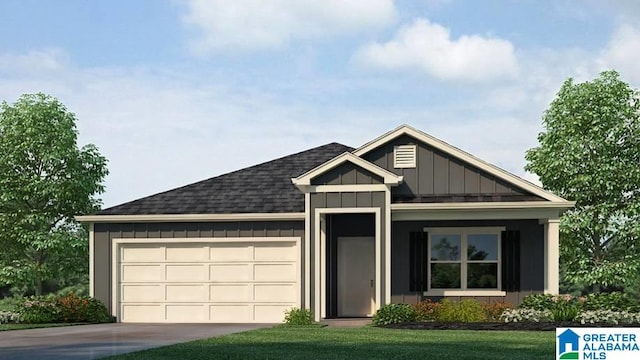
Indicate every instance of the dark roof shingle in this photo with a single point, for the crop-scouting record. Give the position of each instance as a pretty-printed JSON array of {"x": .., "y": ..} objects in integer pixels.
[{"x": 262, "y": 188}]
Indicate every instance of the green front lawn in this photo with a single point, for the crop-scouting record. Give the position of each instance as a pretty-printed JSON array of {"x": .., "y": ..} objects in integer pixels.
[
  {"x": 6, "y": 327},
  {"x": 361, "y": 343}
]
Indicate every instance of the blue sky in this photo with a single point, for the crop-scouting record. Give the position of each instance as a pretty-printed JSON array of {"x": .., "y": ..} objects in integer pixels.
[{"x": 177, "y": 91}]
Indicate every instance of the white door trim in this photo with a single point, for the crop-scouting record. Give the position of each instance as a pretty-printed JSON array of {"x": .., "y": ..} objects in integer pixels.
[
  {"x": 115, "y": 259},
  {"x": 320, "y": 258}
]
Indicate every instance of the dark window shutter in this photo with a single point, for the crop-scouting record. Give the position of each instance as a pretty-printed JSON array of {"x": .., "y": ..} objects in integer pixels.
[
  {"x": 418, "y": 261},
  {"x": 511, "y": 260}
]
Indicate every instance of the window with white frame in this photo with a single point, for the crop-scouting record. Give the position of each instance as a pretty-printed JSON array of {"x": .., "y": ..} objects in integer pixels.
[{"x": 464, "y": 258}]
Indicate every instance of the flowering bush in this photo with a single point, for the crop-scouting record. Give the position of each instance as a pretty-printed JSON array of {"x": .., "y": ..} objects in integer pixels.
[
  {"x": 7, "y": 317},
  {"x": 531, "y": 315},
  {"x": 40, "y": 310},
  {"x": 608, "y": 317},
  {"x": 426, "y": 310},
  {"x": 69, "y": 308},
  {"x": 494, "y": 310}
]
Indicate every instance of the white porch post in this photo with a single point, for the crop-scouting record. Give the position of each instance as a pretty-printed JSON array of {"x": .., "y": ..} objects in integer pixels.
[{"x": 551, "y": 256}]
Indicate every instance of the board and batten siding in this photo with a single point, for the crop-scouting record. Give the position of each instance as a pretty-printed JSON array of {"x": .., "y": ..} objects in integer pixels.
[
  {"x": 105, "y": 233},
  {"x": 347, "y": 174},
  {"x": 437, "y": 173},
  {"x": 531, "y": 256}
]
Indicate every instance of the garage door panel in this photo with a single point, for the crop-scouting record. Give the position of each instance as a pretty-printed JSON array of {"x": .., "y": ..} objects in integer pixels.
[
  {"x": 247, "y": 281},
  {"x": 275, "y": 251},
  {"x": 274, "y": 292},
  {"x": 142, "y": 253},
  {"x": 142, "y": 313},
  {"x": 186, "y": 273},
  {"x": 186, "y": 313},
  {"x": 231, "y": 313},
  {"x": 195, "y": 252},
  {"x": 275, "y": 272},
  {"x": 186, "y": 293},
  {"x": 231, "y": 252},
  {"x": 230, "y": 293},
  {"x": 230, "y": 272},
  {"x": 142, "y": 293},
  {"x": 142, "y": 273},
  {"x": 270, "y": 313}
]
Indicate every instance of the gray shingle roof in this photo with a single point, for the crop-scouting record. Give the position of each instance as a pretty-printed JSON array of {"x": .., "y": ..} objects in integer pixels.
[{"x": 263, "y": 188}]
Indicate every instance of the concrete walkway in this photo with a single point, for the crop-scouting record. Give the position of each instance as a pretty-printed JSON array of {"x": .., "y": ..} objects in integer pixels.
[
  {"x": 346, "y": 322},
  {"x": 96, "y": 341}
]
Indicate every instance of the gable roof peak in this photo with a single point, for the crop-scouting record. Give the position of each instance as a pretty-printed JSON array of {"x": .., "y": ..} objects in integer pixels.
[
  {"x": 459, "y": 154},
  {"x": 388, "y": 177}
]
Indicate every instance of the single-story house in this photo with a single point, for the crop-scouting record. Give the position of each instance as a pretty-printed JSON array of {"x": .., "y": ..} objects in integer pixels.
[{"x": 336, "y": 230}]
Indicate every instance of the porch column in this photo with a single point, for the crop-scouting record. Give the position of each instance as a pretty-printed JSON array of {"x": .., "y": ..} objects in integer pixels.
[{"x": 551, "y": 256}]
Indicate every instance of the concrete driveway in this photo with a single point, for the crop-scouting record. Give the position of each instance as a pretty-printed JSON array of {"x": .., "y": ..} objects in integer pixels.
[{"x": 96, "y": 341}]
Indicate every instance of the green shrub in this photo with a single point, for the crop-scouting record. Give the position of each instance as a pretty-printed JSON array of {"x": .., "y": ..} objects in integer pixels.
[
  {"x": 425, "y": 310},
  {"x": 394, "y": 314},
  {"x": 81, "y": 290},
  {"x": 564, "y": 310},
  {"x": 614, "y": 301},
  {"x": 39, "y": 310},
  {"x": 468, "y": 310},
  {"x": 296, "y": 316},
  {"x": 10, "y": 303},
  {"x": 538, "y": 302},
  {"x": 69, "y": 308}
]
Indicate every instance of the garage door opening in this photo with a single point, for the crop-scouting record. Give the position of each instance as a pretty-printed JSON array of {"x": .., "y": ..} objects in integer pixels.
[{"x": 240, "y": 280}]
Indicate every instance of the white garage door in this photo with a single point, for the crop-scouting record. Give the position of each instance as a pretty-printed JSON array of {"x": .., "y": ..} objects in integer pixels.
[{"x": 221, "y": 281}]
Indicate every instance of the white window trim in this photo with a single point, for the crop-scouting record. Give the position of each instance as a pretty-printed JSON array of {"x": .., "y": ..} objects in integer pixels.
[{"x": 463, "y": 232}]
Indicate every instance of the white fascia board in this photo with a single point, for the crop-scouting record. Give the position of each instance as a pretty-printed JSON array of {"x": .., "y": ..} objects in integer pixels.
[
  {"x": 189, "y": 217},
  {"x": 460, "y": 154},
  {"x": 483, "y": 205},
  {"x": 388, "y": 177},
  {"x": 478, "y": 211}
]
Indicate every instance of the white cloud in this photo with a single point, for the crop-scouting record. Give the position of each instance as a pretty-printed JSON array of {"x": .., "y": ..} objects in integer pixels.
[
  {"x": 258, "y": 24},
  {"x": 428, "y": 47},
  {"x": 44, "y": 60},
  {"x": 622, "y": 53}
]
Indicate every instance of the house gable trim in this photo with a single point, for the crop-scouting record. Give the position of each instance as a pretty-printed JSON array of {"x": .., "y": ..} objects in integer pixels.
[
  {"x": 460, "y": 154},
  {"x": 304, "y": 181},
  {"x": 189, "y": 217}
]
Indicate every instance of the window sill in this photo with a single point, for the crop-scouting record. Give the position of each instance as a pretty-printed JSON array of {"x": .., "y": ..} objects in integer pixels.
[{"x": 439, "y": 292}]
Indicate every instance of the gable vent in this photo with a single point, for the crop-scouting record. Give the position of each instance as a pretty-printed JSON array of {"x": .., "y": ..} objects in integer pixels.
[{"x": 404, "y": 156}]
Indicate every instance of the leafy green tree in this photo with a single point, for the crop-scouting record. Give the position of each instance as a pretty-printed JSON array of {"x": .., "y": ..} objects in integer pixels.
[
  {"x": 45, "y": 180},
  {"x": 590, "y": 153}
]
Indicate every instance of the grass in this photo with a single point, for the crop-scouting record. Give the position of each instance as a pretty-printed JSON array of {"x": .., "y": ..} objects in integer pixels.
[
  {"x": 361, "y": 343},
  {"x": 7, "y": 327}
]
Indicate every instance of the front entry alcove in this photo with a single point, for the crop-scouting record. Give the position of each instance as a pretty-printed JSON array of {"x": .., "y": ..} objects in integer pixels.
[{"x": 350, "y": 259}]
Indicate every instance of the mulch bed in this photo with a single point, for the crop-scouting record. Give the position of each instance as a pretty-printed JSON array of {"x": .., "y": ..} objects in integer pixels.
[{"x": 519, "y": 326}]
